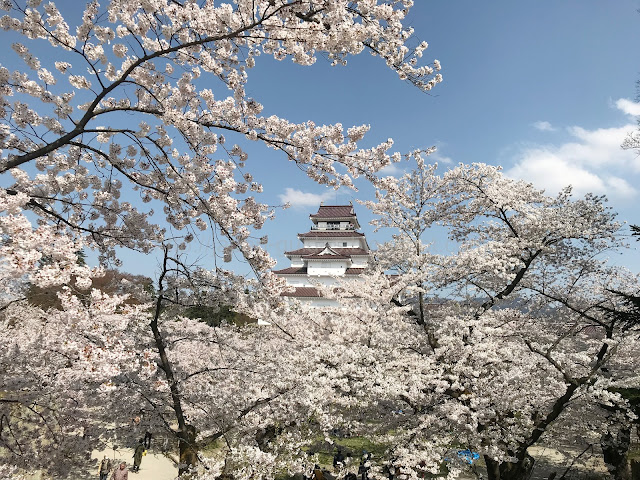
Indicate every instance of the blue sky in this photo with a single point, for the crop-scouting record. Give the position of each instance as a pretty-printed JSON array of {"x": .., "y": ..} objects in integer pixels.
[{"x": 544, "y": 88}]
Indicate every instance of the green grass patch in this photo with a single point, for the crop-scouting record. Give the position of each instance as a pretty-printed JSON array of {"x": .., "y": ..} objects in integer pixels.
[
  {"x": 634, "y": 452},
  {"x": 352, "y": 447}
]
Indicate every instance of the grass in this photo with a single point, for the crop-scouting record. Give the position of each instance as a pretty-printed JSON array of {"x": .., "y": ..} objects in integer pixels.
[{"x": 352, "y": 447}]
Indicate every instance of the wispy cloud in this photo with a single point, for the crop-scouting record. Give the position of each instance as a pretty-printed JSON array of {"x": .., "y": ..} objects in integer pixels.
[
  {"x": 628, "y": 107},
  {"x": 591, "y": 161},
  {"x": 300, "y": 199},
  {"x": 543, "y": 126},
  {"x": 391, "y": 170},
  {"x": 441, "y": 159}
]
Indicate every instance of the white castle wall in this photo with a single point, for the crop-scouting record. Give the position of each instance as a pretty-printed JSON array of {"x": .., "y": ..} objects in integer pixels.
[
  {"x": 321, "y": 243},
  {"x": 326, "y": 268},
  {"x": 328, "y": 271}
]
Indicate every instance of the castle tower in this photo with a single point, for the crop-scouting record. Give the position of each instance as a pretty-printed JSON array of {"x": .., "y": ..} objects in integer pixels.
[{"x": 332, "y": 249}]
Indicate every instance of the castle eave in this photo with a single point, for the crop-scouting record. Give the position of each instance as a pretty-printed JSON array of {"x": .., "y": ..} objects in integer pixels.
[
  {"x": 330, "y": 234},
  {"x": 301, "y": 292},
  {"x": 354, "y": 271},
  {"x": 334, "y": 211},
  {"x": 347, "y": 251},
  {"x": 326, "y": 257},
  {"x": 291, "y": 271}
]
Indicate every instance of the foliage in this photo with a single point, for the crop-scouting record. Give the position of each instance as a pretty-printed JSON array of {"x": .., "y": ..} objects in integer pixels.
[
  {"x": 138, "y": 289},
  {"x": 475, "y": 371},
  {"x": 148, "y": 60},
  {"x": 118, "y": 132},
  {"x": 211, "y": 315},
  {"x": 142, "y": 99}
]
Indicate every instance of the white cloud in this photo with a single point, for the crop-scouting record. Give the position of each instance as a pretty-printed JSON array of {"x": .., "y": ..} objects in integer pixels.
[
  {"x": 599, "y": 148},
  {"x": 628, "y": 107},
  {"x": 622, "y": 187},
  {"x": 544, "y": 126},
  {"x": 298, "y": 198},
  {"x": 547, "y": 170},
  {"x": 592, "y": 161},
  {"x": 392, "y": 169},
  {"x": 441, "y": 159}
]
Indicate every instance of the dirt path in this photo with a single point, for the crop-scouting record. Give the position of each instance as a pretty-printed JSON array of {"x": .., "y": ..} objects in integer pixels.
[{"x": 154, "y": 466}]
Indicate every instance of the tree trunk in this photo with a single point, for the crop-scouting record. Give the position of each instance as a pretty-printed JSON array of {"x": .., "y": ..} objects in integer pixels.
[
  {"x": 614, "y": 451},
  {"x": 520, "y": 470},
  {"x": 188, "y": 449},
  {"x": 635, "y": 469}
]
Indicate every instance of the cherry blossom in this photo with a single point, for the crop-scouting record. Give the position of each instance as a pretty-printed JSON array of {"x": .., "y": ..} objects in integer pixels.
[
  {"x": 146, "y": 99},
  {"x": 124, "y": 58},
  {"x": 516, "y": 347}
]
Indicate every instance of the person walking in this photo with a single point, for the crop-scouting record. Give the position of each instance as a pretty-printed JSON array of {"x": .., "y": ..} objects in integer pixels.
[
  {"x": 338, "y": 459},
  {"x": 365, "y": 466},
  {"x": 120, "y": 473},
  {"x": 137, "y": 456},
  {"x": 105, "y": 468},
  {"x": 147, "y": 440}
]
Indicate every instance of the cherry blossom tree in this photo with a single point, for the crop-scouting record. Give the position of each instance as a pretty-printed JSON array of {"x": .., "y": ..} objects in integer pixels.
[
  {"x": 525, "y": 349},
  {"x": 148, "y": 61},
  {"x": 101, "y": 370},
  {"x": 145, "y": 99}
]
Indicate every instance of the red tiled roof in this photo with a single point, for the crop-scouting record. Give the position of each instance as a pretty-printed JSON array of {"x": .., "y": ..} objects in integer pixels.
[
  {"x": 292, "y": 271},
  {"x": 302, "y": 292},
  {"x": 303, "y": 271},
  {"x": 304, "y": 251},
  {"x": 341, "y": 251},
  {"x": 330, "y": 233},
  {"x": 354, "y": 271},
  {"x": 334, "y": 211}
]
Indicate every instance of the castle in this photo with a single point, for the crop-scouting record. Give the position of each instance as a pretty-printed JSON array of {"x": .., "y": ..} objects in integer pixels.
[{"x": 332, "y": 249}]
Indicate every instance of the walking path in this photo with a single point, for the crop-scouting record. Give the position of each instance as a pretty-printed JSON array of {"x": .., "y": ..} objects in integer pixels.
[{"x": 154, "y": 466}]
